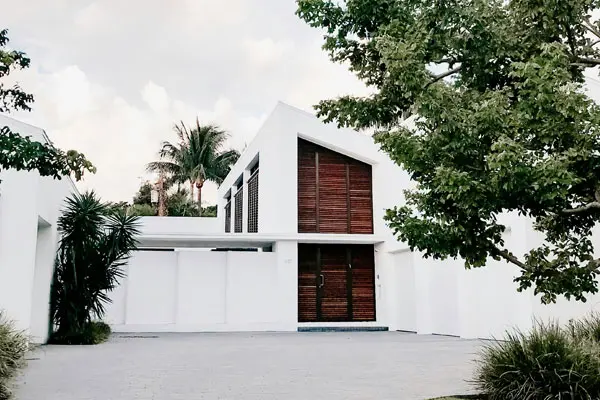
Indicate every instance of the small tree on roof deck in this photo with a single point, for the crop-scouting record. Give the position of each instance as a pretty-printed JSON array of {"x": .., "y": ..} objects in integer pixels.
[{"x": 503, "y": 124}]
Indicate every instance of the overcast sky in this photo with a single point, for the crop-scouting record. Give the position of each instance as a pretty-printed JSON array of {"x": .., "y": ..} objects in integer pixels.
[{"x": 111, "y": 77}]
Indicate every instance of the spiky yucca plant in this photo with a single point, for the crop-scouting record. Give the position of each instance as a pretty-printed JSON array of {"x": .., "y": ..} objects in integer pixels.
[
  {"x": 95, "y": 243},
  {"x": 546, "y": 364}
]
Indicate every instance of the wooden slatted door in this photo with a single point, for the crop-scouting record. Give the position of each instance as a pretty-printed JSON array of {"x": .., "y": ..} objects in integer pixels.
[
  {"x": 336, "y": 283},
  {"x": 333, "y": 284}
]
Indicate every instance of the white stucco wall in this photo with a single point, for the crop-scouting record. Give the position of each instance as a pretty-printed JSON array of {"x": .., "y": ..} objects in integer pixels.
[
  {"x": 441, "y": 297},
  {"x": 196, "y": 291},
  {"x": 29, "y": 208}
]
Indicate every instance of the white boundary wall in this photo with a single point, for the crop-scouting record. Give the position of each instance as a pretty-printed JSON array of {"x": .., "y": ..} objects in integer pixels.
[
  {"x": 441, "y": 297},
  {"x": 207, "y": 291}
]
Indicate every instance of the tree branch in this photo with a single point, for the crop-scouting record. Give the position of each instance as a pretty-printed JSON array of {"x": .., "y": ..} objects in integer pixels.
[
  {"x": 590, "y": 27},
  {"x": 582, "y": 209},
  {"x": 441, "y": 76},
  {"x": 587, "y": 61},
  {"x": 508, "y": 256}
]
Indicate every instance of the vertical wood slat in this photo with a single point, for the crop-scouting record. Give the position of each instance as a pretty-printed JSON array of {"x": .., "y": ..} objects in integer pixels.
[
  {"x": 334, "y": 192},
  {"x": 360, "y": 195},
  {"x": 317, "y": 196},
  {"x": 239, "y": 210},
  {"x": 228, "y": 217},
  {"x": 307, "y": 187},
  {"x": 307, "y": 283},
  {"x": 253, "y": 203},
  {"x": 333, "y": 205}
]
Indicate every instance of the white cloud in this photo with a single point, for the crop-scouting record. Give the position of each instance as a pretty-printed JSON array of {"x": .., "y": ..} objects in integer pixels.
[
  {"x": 265, "y": 52},
  {"x": 111, "y": 77},
  {"x": 156, "y": 97}
]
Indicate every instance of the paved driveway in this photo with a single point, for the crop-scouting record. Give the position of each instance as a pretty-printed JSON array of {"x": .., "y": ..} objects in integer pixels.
[{"x": 263, "y": 366}]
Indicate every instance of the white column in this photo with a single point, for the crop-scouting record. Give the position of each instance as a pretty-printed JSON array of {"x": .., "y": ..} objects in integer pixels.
[
  {"x": 287, "y": 283},
  {"x": 245, "y": 203},
  {"x": 423, "y": 295}
]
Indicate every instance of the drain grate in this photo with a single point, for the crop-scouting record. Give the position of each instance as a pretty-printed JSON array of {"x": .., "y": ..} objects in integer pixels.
[{"x": 139, "y": 336}]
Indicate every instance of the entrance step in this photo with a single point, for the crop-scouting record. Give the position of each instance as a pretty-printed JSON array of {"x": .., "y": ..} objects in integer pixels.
[{"x": 343, "y": 329}]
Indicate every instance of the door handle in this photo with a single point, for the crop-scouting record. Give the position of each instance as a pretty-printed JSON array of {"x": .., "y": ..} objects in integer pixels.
[{"x": 322, "y": 283}]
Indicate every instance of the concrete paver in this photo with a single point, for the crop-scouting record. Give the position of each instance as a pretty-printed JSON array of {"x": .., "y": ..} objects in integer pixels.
[{"x": 252, "y": 366}]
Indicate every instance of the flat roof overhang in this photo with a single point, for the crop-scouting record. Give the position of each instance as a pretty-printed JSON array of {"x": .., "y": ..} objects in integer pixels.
[{"x": 237, "y": 240}]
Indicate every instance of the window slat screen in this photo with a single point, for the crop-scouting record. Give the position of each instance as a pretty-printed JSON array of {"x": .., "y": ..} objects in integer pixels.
[
  {"x": 334, "y": 192},
  {"x": 239, "y": 210},
  {"x": 228, "y": 217},
  {"x": 253, "y": 203}
]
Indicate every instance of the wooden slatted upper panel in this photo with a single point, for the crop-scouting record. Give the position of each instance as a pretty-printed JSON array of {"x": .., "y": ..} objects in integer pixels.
[{"x": 334, "y": 192}]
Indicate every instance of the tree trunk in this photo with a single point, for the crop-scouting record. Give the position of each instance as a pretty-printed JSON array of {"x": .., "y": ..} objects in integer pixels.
[
  {"x": 191, "y": 190},
  {"x": 162, "y": 207},
  {"x": 199, "y": 185}
]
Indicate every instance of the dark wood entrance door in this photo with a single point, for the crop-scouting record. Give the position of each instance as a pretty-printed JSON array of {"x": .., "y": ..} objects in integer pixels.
[{"x": 336, "y": 283}]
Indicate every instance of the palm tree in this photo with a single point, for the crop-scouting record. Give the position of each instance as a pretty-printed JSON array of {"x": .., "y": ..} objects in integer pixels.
[{"x": 198, "y": 157}]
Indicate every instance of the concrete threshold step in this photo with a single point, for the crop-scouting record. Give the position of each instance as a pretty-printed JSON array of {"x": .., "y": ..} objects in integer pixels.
[{"x": 343, "y": 329}]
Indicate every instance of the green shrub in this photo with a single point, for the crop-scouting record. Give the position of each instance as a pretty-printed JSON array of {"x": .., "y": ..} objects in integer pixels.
[
  {"x": 587, "y": 328},
  {"x": 547, "y": 363},
  {"x": 13, "y": 346},
  {"x": 92, "y": 333}
]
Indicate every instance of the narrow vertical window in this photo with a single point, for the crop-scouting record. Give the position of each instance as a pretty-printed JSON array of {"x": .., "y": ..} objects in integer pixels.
[
  {"x": 253, "y": 200},
  {"x": 239, "y": 209},
  {"x": 228, "y": 215}
]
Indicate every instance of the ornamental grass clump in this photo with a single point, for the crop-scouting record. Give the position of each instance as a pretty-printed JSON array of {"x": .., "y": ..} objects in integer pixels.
[
  {"x": 13, "y": 347},
  {"x": 548, "y": 363}
]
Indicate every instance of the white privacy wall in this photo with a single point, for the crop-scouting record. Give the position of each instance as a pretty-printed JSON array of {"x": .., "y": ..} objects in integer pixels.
[
  {"x": 196, "y": 291},
  {"x": 441, "y": 297},
  {"x": 29, "y": 208}
]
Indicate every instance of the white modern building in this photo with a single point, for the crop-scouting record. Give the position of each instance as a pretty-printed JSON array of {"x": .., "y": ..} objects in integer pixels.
[
  {"x": 29, "y": 208},
  {"x": 303, "y": 246},
  {"x": 299, "y": 244}
]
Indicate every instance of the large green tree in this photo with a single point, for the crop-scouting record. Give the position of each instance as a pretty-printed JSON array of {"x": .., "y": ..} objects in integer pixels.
[
  {"x": 20, "y": 152},
  {"x": 502, "y": 123},
  {"x": 199, "y": 156}
]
